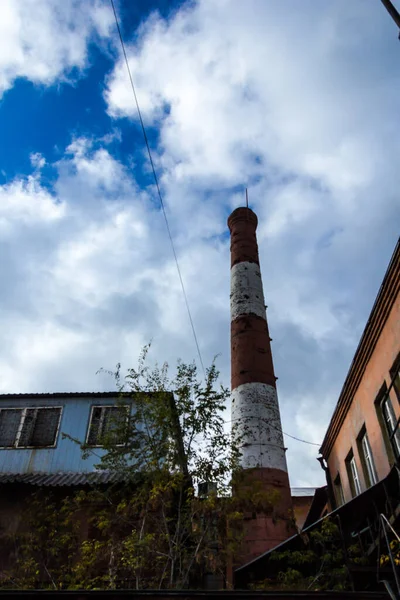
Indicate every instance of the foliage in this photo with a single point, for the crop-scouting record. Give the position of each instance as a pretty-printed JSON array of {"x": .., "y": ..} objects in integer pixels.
[
  {"x": 150, "y": 530},
  {"x": 395, "y": 548},
  {"x": 319, "y": 565},
  {"x": 181, "y": 432}
]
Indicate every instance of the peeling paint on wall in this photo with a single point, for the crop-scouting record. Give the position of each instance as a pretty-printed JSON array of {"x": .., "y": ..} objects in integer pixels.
[
  {"x": 257, "y": 426},
  {"x": 247, "y": 295}
]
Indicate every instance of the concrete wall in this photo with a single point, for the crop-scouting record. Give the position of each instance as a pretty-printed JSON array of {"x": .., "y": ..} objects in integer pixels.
[
  {"x": 363, "y": 412},
  {"x": 66, "y": 455}
]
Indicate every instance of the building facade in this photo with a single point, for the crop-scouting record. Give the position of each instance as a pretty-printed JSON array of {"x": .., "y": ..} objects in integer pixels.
[
  {"x": 360, "y": 456},
  {"x": 362, "y": 442},
  {"x": 302, "y": 498},
  {"x": 42, "y": 433}
]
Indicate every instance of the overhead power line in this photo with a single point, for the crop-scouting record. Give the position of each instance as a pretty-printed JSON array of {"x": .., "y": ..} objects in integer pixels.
[
  {"x": 281, "y": 431},
  {"x": 165, "y": 214},
  {"x": 299, "y": 439},
  {"x": 157, "y": 186}
]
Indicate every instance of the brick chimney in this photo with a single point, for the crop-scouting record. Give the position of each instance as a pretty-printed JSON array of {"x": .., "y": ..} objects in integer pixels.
[{"x": 255, "y": 408}]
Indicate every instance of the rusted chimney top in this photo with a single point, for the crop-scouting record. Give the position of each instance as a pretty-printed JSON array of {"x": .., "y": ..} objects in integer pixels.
[{"x": 242, "y": 224}]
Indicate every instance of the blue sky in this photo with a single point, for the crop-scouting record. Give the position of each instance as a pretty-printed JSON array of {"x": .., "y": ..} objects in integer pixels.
[
  {"x": 300, "y": 105},
  {"x": 38, "y": 118}
]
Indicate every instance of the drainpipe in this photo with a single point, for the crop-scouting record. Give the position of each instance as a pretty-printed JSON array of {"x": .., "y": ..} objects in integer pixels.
[{"x": 331, "y": 495}]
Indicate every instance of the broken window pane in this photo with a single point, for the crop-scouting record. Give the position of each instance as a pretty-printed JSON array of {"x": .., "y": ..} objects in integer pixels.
[
  {"x": 27, "y": 427},
  {"x": 107, "y": 422},
  {"x": 9, "y": 422},
  {"x": 94, "y": 428},
  {"x": 39, "y": 427},
  {"x": 45, "y": 428}
]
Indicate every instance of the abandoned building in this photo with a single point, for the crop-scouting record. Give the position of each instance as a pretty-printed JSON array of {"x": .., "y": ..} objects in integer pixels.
[
  {"x": 36, "y": 432},
  {"x": 362, "y": 442}
]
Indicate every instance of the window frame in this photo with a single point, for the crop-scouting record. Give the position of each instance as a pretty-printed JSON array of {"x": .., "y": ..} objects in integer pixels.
[
  {"x": 386, "y": 435},
  {"x": 395, "y": 376},
  {"x": 394, "y": 438},
  {"x": 22, "y": 418},
  {"x": 367, "y": 458},
  {"x": 353, "y": 475},
  {"x": 127, "y": 408}
]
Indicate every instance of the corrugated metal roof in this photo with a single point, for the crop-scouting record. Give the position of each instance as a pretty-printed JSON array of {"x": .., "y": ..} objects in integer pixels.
[
  {"x": 94, "y": 478},
  {"x": 49, "y": 395},
  {"x": 60, "y": 479},
  {"x": 115, "y": 394},
  {"x": 302, "y": 491},
  {"x": 67, "y": 395}
]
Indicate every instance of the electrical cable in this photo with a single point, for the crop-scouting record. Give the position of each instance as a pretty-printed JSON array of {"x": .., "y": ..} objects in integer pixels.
[
  {"x": 165, "y": 214},
  {"x": 284, "y": 433},
  {"x": 299, "y": 439},
  {"x": 158, "y": 187}
]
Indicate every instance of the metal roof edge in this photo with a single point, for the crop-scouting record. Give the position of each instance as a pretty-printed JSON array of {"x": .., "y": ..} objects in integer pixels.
[
  {"x": 374, "y": 325},
  {"x": 39, "y": 395}
]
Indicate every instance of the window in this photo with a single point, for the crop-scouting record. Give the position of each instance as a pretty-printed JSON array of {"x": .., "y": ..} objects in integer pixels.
[
  {"x": 338, "y": 491},
  {"x": 390, "y": 421},
  {"x": 367, "y": 458},
  {"x": 353, "y": 475},
  {"x": 29, "y": 427},
  {"x": 9, "y": 424},
  {"x": 107, "y": 423},
  {"x": 395, "y": 376}
]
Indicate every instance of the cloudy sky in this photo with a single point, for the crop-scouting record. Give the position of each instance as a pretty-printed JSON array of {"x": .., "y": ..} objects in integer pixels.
[{"x": 296, "y": 100}]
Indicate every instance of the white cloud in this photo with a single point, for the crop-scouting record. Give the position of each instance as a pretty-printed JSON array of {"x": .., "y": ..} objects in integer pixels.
[
  {"x": 37, "y": 160},
  {"x": 43, "y": 41},
  {"x": 298, "y": 104},
  {"x": 24, "y": 202},
  {"x": 90, "y": 277}
]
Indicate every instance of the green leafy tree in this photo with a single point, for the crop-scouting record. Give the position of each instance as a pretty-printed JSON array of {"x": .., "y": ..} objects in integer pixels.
[{"x": 150, "y": 529}]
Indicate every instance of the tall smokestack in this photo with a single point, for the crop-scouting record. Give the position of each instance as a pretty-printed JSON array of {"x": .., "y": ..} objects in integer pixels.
[{"x": 255, "y": 408}]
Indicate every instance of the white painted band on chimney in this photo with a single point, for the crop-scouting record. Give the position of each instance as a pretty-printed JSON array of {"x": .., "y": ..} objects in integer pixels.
[
  {"x": 247, "y": 296},
  {"x": 257, "y": 425}
]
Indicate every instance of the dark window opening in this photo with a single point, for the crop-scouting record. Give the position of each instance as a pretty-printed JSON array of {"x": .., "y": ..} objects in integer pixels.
[
  {"x": 29, "y": 427},
  {"x": 339, "y": 496},
  {"x": 107, "y": 424},
  {"x": 9, "y": 424}
]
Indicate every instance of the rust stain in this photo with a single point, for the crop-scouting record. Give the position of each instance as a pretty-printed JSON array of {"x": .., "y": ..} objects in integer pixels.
[{"x": 251, "y": 356}]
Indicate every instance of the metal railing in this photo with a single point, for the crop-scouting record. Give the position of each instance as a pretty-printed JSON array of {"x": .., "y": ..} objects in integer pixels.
[{"x": 385, "y": 524}]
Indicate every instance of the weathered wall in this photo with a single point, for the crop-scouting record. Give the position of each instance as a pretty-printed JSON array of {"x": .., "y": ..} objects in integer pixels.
[
  {"x": 301, "y": 506},
  {"x": 363, "y": 412},
  {"x": 255, "y": 409},
  {"x": 66, "y": 456}
]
